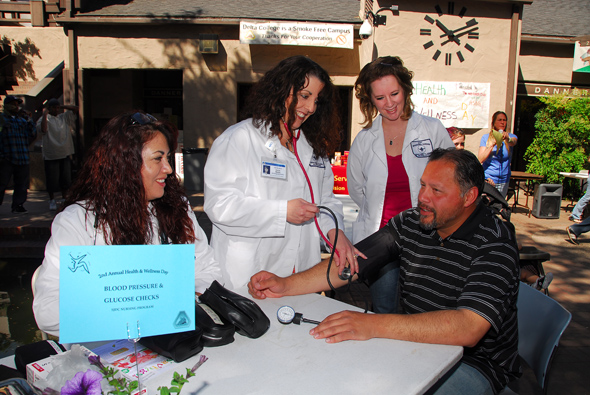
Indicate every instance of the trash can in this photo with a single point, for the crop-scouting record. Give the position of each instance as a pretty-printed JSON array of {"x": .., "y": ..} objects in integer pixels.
[{"x": 194, "y": 165}]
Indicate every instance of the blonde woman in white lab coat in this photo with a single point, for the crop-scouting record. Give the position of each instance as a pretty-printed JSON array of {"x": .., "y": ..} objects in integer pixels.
[
  {"x": 256, "y": 194},
  {"x": 387, "y": 159}
]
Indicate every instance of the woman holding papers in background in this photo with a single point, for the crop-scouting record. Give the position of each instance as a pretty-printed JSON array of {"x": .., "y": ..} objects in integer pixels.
[
  {"x": 125, "y": 194},
  {"x": 495, "y": 152}
]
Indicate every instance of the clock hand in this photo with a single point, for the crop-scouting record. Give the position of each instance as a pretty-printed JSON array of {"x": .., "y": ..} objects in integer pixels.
[
  {"x": 447, "y": 31},
  {"x": 460, "y": 34},
  {"x": 467, "y": 32},
  {"x": 468, "y": 24}
]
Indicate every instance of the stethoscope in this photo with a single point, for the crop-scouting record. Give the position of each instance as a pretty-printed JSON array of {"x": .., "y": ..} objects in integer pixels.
[
  {"x": 346, "y": 274},
  {"x": 294, "y": 139}
]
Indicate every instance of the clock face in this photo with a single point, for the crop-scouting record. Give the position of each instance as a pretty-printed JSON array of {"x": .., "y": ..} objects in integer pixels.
[{"x": 450, "y": 33}]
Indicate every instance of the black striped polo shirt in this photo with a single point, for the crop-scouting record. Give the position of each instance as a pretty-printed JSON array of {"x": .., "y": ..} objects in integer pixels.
[{"x": 475, "y": 268}]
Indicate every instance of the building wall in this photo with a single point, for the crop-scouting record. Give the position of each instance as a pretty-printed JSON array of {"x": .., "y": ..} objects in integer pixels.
[
  {"x": 209, "y": 81},
  {"x": 546, "y": 62},
  {"x": 38, "y": 50},
  {"x": 488, "y": 62}
]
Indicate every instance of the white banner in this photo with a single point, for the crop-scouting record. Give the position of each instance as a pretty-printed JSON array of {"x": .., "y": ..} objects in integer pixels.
[
  {"x": 581, "y": 58},
  {"x": 297, "y": 33},
  {"x": 459, "y": 104}
]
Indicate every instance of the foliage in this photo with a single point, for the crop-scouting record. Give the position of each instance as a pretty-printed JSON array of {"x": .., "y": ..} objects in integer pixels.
[
  {"x": 124, "y": 387},
  {"x": 121, "y": 385},
  {"x": 562, "y": 139},
  {"x": 178, "y": 380}
]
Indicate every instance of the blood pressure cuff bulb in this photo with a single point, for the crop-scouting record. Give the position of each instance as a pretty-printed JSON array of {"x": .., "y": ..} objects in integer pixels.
[{"x": 239, "y": 311}]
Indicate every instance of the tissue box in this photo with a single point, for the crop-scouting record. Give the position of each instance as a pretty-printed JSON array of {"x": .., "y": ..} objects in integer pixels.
[{"x": 40, "y": 370}]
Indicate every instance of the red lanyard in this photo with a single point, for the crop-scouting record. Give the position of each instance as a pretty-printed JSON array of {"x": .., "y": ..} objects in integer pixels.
[{"x": 292, "y": 137}]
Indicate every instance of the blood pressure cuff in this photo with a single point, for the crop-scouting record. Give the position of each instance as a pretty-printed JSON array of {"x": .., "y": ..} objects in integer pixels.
[
  {"x": 178, "y": 346},
  {"x": 33, "y": 352},
  {"x": 216, "y": 332},
  {"x": 381, "y": 248},
  {"x": 239, "y": 311}
]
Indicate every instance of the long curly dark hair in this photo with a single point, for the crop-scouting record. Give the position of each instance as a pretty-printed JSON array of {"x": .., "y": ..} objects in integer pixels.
[
  {"x": 377, "y": 69},
  {"x": 110, "y": 185},
  {"x": 266, "y": 103}
]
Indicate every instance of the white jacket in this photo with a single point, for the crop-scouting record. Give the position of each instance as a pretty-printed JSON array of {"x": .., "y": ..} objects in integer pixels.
[
  {"x": 366, "y": 170},
  {"x": 72, "y": 228},
  {"x": 58, "y": 142},
  {"x": 249, "y": 211}
]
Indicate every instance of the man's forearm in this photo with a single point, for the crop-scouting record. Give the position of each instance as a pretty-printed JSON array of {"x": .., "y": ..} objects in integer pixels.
[
  {"x": 44, "y": 123},
  {"x": 455, "y": 327},
  {"x": 314, "y": 279}
]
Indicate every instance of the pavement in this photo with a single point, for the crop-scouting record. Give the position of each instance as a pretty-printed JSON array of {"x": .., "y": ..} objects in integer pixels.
[{"x": 25, "y": 236}]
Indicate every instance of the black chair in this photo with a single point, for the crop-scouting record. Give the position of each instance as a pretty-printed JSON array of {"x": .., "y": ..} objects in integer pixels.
[{"x": 533, "y": 258}]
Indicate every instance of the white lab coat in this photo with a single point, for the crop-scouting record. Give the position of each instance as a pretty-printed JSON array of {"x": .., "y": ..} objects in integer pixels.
[
  {"x": 71, "y": 227},
  {"x": 366, "y": 170},
  {"x": 249, "y": 211}
]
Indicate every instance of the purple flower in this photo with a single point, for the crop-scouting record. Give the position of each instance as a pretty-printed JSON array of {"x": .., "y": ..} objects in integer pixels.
[
  {"x": 94, "y": 359},
  {"x": 87, "y": 383}
]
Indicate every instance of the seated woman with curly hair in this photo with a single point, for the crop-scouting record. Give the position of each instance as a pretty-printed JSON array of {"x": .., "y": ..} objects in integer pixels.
[{"x": 125, "y": 194}]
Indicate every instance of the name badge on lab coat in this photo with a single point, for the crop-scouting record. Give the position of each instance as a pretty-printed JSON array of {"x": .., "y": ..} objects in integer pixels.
[
  {"x": 273, "y": 168},
  {"x": 421, "y": 148}
]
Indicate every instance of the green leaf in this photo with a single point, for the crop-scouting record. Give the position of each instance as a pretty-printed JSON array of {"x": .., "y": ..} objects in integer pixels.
[{"x": 189, "y": 373}]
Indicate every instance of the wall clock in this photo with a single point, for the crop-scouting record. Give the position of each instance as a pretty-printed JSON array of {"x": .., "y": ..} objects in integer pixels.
[{"x": 451, "y": 33}]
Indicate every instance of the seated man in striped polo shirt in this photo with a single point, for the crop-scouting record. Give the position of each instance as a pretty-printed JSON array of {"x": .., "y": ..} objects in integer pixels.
[{"x": 458, "y": 280}]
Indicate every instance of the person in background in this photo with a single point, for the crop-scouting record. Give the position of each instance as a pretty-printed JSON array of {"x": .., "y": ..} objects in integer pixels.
[
  {"x": 459, "y": 280},
  {"x": 125, "y": 193},
  {"x": 458, "y": 137},
  {"x": 265, "y": 220},
  {"x": 575, "y": 230},
  {"x": 18, "y": 132},
  {"x": 58, "y": 147},
  {"x": 495, "y": 153},
  {"x": 387, "y": 159},
  {"x": 578, "y": 210}
]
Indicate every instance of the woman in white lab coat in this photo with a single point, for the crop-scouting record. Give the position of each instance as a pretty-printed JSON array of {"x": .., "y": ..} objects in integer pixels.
[
  {"x": 256, "y": 194},
  {"x": 387, "y": 159},
  {"x": 126, "y": 193}
]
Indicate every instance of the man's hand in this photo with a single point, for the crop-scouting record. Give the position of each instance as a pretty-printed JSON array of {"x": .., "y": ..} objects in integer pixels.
[
  {"x": 300, "y": 211},
  {"x": 264, "y": 285},
  {"x": 346, "y": 325}
]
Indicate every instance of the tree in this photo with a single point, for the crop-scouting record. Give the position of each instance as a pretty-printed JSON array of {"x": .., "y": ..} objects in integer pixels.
[{"x": 562, "y": 140}]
